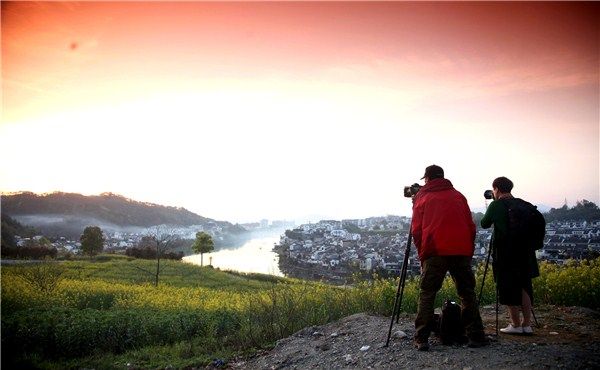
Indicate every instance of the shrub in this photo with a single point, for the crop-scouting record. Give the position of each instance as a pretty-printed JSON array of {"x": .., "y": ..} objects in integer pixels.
[
  {"x": 574, "y": 284},
  {"x": 95, "y": 308},
  {"x": 150, "y": 253},
  {"x": 29, "y": 252},
  {"x": 44, "y": 277}
]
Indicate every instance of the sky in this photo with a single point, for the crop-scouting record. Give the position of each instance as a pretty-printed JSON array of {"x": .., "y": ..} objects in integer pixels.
[{"x": 297, "y": 111}]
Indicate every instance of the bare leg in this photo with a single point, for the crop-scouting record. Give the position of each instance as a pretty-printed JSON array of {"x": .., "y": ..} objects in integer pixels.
[
  {"x": 526, "y": 306},
  {"x": 515, "y": 318}
]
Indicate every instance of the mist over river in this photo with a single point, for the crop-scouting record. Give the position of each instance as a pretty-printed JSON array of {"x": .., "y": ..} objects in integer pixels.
[{"x": 255, "y": 255}]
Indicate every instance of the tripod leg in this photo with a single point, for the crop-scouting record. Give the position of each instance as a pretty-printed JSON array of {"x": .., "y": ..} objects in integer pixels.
[
  {"x": 403, "y": 279},
  {"x": 404, "y": 273},
  {"x": 487, "y": 262},
  {"x": 496, "y": 311},
  {"x": 535, "y": 318},
  {"x": 396, "y": 308},
  {"x": 400, "y": 290},
  {"x": 531, "y": 309}
]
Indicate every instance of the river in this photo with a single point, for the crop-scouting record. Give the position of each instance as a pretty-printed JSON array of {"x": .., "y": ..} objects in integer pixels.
[{"x": 256, "y": 255}]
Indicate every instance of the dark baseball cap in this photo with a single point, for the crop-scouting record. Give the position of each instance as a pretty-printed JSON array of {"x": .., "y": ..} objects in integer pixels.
[{"x": 433, "y": 172}]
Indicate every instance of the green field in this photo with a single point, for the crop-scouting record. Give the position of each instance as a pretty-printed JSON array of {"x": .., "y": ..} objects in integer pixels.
[{"x": 105, "y": 313}]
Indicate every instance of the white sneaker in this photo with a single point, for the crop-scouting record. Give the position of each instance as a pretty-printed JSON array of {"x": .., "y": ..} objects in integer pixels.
[
  {"x": 512, "y": 330},
  {"x": 527, "y": 330}
]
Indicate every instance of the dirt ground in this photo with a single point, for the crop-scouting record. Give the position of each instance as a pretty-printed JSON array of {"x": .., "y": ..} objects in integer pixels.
[{"x": 566, "y": 338}]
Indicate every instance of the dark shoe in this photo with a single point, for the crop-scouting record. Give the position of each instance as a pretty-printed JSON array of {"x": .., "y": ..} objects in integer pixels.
[
  {"x": 479, "y": 342},
  {"x": 422, "y": 346},
  {"x": 463, "y": 339}
]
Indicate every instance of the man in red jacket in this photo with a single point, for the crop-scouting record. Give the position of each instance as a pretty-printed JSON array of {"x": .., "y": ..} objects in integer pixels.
[{"x": 444, "y": 234}]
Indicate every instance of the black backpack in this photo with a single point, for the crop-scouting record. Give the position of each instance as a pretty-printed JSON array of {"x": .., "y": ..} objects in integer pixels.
[
  {"x": 448, "y": 326},
  {"x": 526, "y": 225}
]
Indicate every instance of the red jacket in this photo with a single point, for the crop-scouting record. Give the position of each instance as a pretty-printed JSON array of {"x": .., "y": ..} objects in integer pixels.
[{"x": 442, "y": 224}]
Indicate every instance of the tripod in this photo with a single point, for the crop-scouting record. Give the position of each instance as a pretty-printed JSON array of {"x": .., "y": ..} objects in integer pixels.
[
  {"x": 487, "y": 262},
  {"x": 400, "y": 290}
]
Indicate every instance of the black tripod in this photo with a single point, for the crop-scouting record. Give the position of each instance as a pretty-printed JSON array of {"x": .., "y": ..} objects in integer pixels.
[
  {"x": 487, "y": 262},
  {"x": 400, "y": 290}
]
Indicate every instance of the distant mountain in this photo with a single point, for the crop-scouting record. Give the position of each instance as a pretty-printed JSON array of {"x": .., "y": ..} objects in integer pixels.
[
  {"x": 10, "y": 228},
  {"x": 75, "y": 211}
]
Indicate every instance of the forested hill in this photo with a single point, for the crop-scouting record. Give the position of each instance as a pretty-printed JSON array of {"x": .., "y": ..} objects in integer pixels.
[
  {"x": 583, "y": 210},
  {"x": 108, "y": 207}
]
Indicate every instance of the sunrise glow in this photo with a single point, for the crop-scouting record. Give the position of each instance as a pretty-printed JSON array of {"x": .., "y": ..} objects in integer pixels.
[{"x": 242, "y": 111}]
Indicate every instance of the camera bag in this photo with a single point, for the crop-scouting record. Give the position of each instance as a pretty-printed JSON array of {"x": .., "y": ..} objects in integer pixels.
[{"x": 448, "y": 326}]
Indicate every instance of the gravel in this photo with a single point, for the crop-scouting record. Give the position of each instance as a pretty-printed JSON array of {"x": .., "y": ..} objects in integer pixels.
[{"x": 357, "y": 342}]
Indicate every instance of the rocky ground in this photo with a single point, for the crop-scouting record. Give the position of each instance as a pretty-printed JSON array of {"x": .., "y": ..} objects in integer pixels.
[{"x": 567, "y": 338}]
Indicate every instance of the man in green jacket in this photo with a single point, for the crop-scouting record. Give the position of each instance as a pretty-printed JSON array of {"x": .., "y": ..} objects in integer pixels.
[{"x": 514, "y": 262}]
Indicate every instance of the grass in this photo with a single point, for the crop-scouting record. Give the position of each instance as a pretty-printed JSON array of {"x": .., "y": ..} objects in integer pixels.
[
  {"x": 105, "y": 313},
  {"x": 121, "y": 269}
]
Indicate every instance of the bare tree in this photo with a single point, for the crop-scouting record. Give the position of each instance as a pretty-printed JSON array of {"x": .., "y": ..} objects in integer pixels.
[{"x": 162, "y": 239}]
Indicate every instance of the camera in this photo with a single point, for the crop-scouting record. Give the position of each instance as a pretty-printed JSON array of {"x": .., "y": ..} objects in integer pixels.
[
  {"x": 488, "y": 194},
  {"x": 411, "y": 191}
]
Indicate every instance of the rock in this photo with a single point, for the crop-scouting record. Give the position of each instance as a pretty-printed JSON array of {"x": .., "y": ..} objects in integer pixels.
[
  {"x": 348, "y": 358},
  {"x": 365, "y": 348},
  {"x": 324, "y": 346},
  {"x": 399, "y": 335},
  {"x": 307, "y": 331},
  {"x": 553, "y": 333},
  {"x": 217, "y": 362},
  {"x": 317, "y": 334},
  {"x": 333, "y": 335}
]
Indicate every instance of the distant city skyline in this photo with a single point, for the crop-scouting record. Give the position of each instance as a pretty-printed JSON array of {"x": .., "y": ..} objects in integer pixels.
[{"x": 248, "y": 111}]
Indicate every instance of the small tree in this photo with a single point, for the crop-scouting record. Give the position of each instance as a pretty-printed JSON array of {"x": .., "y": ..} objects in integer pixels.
[
  {"x": 162, "y": 240},
  {"x": 92, "y": 240},
  {"x": 43, "y": 276},
  {"x": 203, "y": 244}
]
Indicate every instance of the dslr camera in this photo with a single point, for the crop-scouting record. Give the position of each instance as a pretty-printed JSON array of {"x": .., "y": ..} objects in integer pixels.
[
  {"x": 412, "y": 190},
  {"x": 488, "y": 194}
]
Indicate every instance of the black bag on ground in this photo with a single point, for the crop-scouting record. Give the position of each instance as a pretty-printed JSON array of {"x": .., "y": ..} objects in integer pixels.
[{"x": 448, "y": 326}]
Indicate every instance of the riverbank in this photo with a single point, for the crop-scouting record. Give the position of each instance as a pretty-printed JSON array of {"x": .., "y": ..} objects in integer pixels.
[{"x": 307, "y": 271}]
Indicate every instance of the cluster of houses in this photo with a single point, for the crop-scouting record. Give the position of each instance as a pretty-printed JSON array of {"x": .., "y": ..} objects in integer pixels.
[
  {"x": 119, "y": 240},
  {"x": 571, "y": 240},
  {"x": 379, "y": 244},
  {"x": 113, "y": 242},
  {"x": 348, "y": 245}
]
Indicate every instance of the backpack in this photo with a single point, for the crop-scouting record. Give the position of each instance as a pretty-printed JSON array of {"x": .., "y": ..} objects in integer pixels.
[
  {"x": 448, "y": 325},
  {"x": 525, "y": 223}
]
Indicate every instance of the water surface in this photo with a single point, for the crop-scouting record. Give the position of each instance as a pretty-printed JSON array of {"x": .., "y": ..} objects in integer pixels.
[{"x": 256, "y": 255}]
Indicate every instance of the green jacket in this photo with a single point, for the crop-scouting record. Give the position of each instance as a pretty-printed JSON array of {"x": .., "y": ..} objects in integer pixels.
[{"x": 513, "y": 257}]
